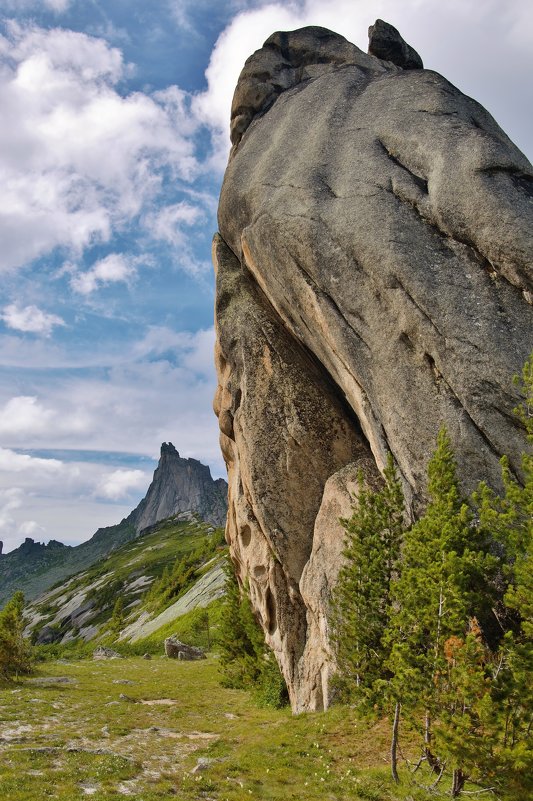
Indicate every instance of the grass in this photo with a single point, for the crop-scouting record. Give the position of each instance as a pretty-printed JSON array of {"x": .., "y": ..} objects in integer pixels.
[{"x": 80, "y": 738}]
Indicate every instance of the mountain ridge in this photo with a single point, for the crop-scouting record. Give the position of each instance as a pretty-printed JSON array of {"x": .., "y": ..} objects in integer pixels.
[{"x": 179, "y": 485}]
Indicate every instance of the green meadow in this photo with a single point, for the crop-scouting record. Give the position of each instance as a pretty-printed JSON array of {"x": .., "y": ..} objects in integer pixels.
[{"x": 137, "y": 728}]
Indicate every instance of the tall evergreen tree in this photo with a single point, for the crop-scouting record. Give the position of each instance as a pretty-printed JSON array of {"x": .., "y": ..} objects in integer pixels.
[
  {"x": 445, "y": 563},
  {"x": 15, "y": 652},
  {"x": 509, "y": 519},
  {"x": 245, "y": 660},
  {"x": 362, "y": 598}
]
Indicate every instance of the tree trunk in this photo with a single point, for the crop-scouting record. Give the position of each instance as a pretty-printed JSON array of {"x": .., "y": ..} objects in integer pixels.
[
  {"x": 458, "y": 782},
  {"x": 394, "y": 743},
  {"x": 432, "y": 760}
]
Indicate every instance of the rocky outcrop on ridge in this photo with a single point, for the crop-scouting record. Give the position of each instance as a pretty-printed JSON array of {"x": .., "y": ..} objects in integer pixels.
[
  {"x": 373, "y": 282},
  {"x": 181, "y": 485}
]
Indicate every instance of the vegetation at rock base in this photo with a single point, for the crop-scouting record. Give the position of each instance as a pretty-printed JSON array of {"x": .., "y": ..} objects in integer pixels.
[
  {"x": 245, "y": 660},
  {"x": 15, "y": 653},
  {"x": 449, "y": 637}
]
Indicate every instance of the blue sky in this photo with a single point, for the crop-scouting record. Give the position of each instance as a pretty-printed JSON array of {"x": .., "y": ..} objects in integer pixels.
[{"x": 113, "y": 144}]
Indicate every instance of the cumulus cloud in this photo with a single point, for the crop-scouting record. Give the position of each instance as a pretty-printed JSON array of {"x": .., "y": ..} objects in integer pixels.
[
  {"x": 13, "y": 531},
  {"x": 30, "y": 528},
  {"x": 161, "y": 388},
  {"x": 30, "y": 319},
  {"x": 120, "y": 483},
  {"x": 168, "y": 223},
  {"x": 78, "y": 160},
  {"x": 24, "y": 416},
  {"x": 112, "y": 269},
  {"x": 47, "y": 498}
]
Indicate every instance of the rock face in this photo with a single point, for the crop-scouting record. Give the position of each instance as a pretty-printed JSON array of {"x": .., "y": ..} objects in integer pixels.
[
  {"x": 181, "y": 485},
  {"x": 385, "y": 42},
  {"x": 373, "y": 282}
]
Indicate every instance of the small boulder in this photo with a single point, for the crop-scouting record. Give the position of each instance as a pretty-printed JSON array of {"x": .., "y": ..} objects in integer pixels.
[
  {"x": 202, "y": 764},
  {"x": 105, "y": 653},
  {"x": 385, "y": 42},
  {"x": 175, "y": 649},
  {"x": 147, "y": 656}
]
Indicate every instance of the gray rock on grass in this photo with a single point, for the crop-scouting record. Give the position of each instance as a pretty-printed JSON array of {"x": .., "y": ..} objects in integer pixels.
[
  {"x": 105, "y": 653},
  {"x": 175, "y": 649}
]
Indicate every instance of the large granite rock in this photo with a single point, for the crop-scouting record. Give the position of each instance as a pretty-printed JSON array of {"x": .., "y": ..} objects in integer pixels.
[{"x": 374, "y": 282}]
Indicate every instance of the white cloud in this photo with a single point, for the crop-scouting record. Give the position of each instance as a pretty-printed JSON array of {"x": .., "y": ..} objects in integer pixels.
[
  {"x": 78, "y": 160},
  {"x": 62, "y": 500},
  {"x": 161, "y": 388},
  {"x": 11, "y": 461},
  {"x": 111, "y": 269},
  {"x": 24, "y": 417},
  {"x": 173, "y": 224},
  {"x": 30, "y": 319},
  {"x": 30, "y": 528},
  {"x": 120, "y": 483},
  {"x": 167, "y": 223}
]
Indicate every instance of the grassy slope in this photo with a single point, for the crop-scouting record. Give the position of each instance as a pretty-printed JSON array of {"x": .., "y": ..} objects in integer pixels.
[
  {"x": 145, "y": 556},
  {"x": 62, "y": 741}
]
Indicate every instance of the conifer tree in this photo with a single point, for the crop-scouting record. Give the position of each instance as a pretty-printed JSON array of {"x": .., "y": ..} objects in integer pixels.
[
  {"x": 445, "y": 563},
  {"x": 510, "y": 521},
  {"x": 245, "y": 660},
  {"x": 15, "y": 653},
  {"x": 116, "y": 621},
  {"x": 362, "y": 598}
]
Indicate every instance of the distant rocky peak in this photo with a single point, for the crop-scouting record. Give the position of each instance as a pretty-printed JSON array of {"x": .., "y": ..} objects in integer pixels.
[
  {"x": 181, "y": 485},
  {"x": 168, "y": 449}
]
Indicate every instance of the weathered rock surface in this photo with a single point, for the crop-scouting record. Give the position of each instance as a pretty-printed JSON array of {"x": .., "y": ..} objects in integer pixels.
[
  {"x": 181, "y": 485},
  {"x": 175, "y": 649},
  {"x": 373, "y": 282}
]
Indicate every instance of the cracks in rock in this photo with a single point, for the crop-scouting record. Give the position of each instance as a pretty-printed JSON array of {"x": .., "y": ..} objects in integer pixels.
[
  {"x": 419, "y": 180},
  {"x": 328, "y": 188},
  {"x": 419, "y": 308},
  {"x": 440, "y": 379},
  {"x": 522, "y": 181},
  {"x": 320, "y": 293}
]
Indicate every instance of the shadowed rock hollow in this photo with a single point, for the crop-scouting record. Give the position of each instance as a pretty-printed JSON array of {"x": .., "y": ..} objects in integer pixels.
[{"x": 373, "y": 282}]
